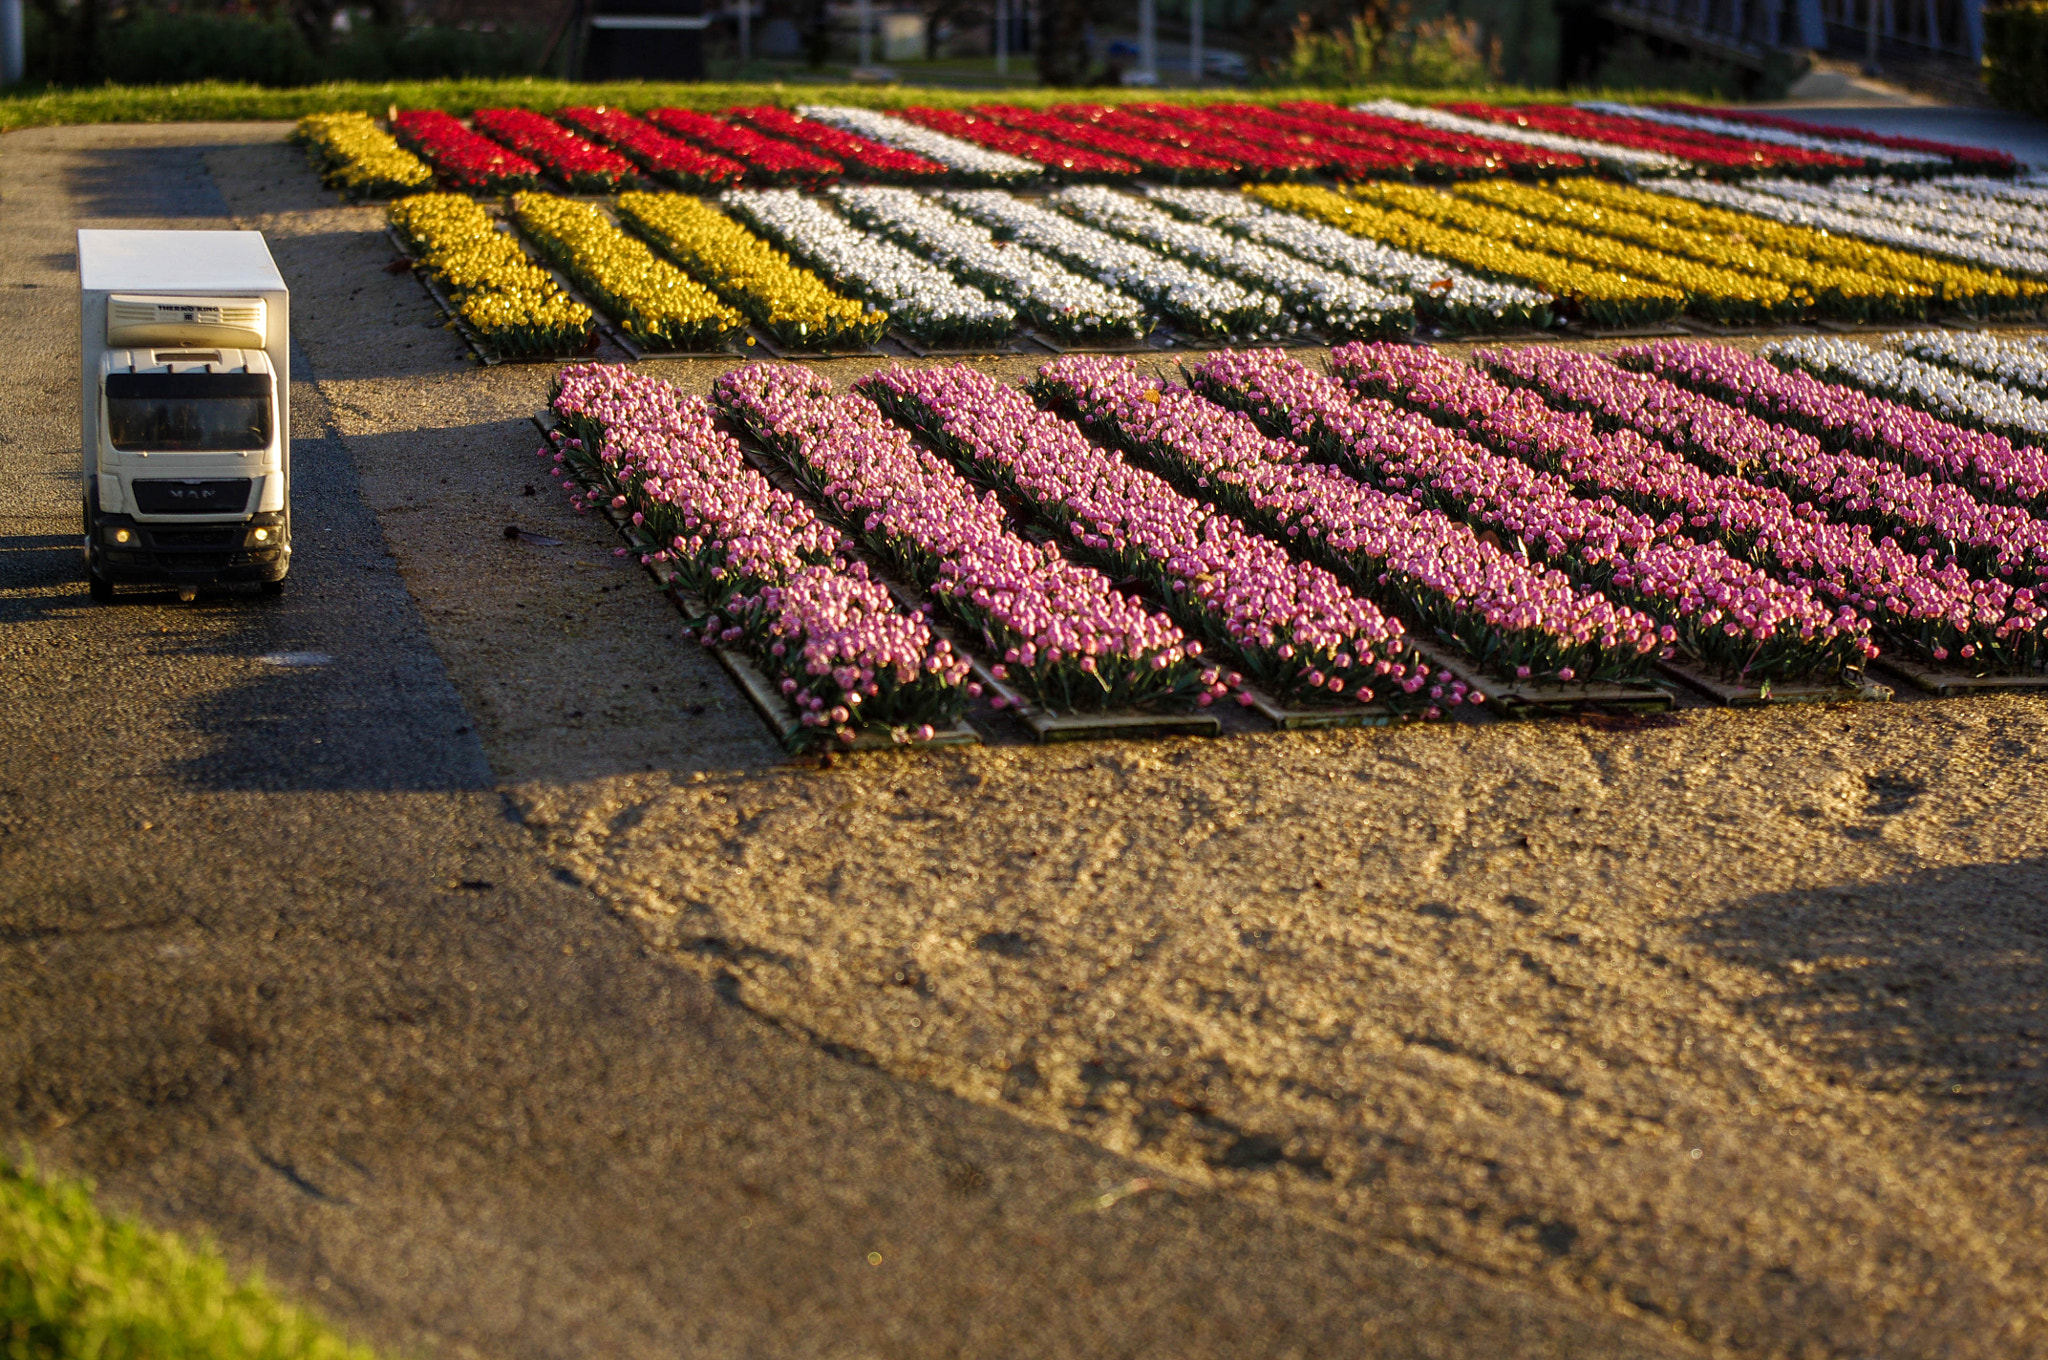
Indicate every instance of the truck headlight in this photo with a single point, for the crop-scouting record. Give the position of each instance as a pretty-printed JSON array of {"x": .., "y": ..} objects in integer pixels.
[
  {"x": 265, "y": 536},
  {"x": 259, "y": 535},
  {"x": 121, "y": 536}
]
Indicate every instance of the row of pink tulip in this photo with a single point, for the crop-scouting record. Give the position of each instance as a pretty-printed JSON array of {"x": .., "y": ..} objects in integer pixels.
[
  {"x": 1504, "y": 611},
  {"x": 1292, "y": 626},
  {"x": 784, "y": 587},
  {"x": 1724, "y": 611},
  {"x": 1063, "y": 634},
  {"x": 1934, "y": 608},
  {"x": 1849, "y": 421},
  {"x": 1918, "y": 512}
]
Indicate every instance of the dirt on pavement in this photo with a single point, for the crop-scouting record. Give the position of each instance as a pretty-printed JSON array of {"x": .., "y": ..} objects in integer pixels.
[{"x": 1722, "y": 1033}]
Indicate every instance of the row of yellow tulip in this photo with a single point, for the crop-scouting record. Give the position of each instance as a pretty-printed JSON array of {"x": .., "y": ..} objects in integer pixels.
[
  {"x": 1598, "y": 295},
  {"x": 1827, "y": 290},
  {"x": 792, "y": 304},
  {"x": 1720, "y": 295},
  {"x": 655, "y": 302},
  {"x": 359, "y": 158},
  {"x": 1962, "y": 287},
  {"x": 512, "y": 304}
]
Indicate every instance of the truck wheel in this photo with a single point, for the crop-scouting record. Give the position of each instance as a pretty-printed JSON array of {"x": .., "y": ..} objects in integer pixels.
[
  {"x": 274, "y": 587},
  {"x": 101, "y": 589}
]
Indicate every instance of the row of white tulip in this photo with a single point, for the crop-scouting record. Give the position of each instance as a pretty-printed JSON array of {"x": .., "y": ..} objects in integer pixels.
[
  {"x": 1340, "y": 304},
  {"x": 1879, "y": 229},
  {"x": 1199, "y": 302},
  {"x": 2018, "y": 364},
  {"x": 1440, "y": 290},
  {"x": 1957, "y": 397},
  {"x": 1054, "y": 297},
  {"x": 1637, "y": 162},
  {"x": 924, "y": 300},
  {"x": 1934, "y": 211},
  {"x": 2031, "y": 190},
  {"x": 1967, "y": 209},
  {"x": 1722, "y": 127},
  {"x": 973, "y": 162}
]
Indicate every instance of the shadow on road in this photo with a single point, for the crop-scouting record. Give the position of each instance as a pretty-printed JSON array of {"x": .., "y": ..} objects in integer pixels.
[
  {"x": 1935, "y": 985},
  {"x": 146, "y": 182}
]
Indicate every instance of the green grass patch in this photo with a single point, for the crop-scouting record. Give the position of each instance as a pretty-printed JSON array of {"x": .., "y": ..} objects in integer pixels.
[
  {"x": 219, "y": 102},
  {"x": 78, "y": 1285}
]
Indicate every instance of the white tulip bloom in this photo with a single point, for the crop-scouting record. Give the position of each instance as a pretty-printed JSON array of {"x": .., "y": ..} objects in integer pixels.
[
  {"x": 1955, "y": 396},
  {"x": 1204, "y": 303},
  {"x": 1054, "y": 297},
  {"x": 1871, "y": 224},
  {"x": 926, "y": 301},
  {"x": 1439, "y": 289},
  {"x": 1339, "y": 303},
  {"x": 2019, "y": 364}
]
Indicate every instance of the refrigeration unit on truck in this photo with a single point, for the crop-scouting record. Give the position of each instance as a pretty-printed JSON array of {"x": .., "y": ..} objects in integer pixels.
[{"x": 185, "y": 417}]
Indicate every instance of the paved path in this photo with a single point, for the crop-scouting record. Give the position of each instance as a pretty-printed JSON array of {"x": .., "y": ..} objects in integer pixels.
[
  {"x": 280, "y": 960},
  {"x": 499, "y": 987}
]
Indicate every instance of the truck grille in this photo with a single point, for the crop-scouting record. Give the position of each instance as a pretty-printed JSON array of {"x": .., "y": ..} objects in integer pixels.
[{"x": 192, "y": 496}]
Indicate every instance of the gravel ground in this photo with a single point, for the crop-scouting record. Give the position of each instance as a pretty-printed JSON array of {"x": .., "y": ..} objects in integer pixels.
[{"x": 503, "y": 989}]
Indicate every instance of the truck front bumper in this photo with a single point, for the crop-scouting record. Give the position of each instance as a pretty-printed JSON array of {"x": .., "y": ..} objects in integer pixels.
[{"x": 189, "y": 554}]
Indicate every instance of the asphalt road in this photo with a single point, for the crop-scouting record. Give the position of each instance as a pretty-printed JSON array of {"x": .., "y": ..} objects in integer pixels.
[{"x": 496, "y": 986}]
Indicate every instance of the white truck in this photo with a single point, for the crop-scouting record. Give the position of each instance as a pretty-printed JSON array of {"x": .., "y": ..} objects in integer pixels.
[{"x": 185, "y": 420}]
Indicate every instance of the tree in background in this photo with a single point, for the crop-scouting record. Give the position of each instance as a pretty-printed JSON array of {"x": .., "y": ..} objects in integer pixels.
[
  {"x": 282, "y": 42},
  {"x": 1409, "y": 42},
  {"x": 1063, "y": 41}
]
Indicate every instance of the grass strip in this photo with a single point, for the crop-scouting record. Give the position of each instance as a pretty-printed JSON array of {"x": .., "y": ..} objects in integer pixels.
[{"x": 76, "y": 1284}]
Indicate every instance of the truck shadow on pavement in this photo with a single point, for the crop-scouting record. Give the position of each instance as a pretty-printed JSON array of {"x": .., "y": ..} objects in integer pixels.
[
  {"x": 1933, "y": 986},
  {"x": 156, "y": 182}
]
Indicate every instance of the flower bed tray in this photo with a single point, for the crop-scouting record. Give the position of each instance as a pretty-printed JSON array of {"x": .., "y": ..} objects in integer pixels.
[
  {"x": 1736, "y": 695},
  {"x": 1309, "y": 719},
  {"x": 1013, "y": 343},
  {"x": 777, "y": 712},
  {"x": 776, "y": 350},
  {"x": 1522, "y": 699},
  {"x": 1580, "y": 331},
  {"x": 1450, "y": 335},
  {"x": 1721, "y": 332},
  {"x": 1946, "y": 682},
  {"x": 1057, "y": 346},
  {"x": 1876, "y": 327},
  {"x": 1050, "y": 727}
]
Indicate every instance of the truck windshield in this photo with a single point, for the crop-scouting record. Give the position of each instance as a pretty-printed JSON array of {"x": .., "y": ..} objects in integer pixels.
[{"x": 188, "y": 412}]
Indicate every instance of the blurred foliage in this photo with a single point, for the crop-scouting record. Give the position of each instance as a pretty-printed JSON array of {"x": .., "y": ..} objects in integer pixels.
[
  {"x": 1631, "y": 61},
  {"x": 82, "y": 42},
  {"x": 1436, "y": 53},
  {"x": 78, "y": 1285},
  {"x": 1421, "y": 43},
  {"x": 2016, "y": 56}
]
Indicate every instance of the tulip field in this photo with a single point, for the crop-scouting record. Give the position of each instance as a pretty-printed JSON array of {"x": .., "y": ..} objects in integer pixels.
[
  {"x": 1319, "y": 519},
  {"x": 1397, "y": 534},
  {"x": 1097, "y": 226}
]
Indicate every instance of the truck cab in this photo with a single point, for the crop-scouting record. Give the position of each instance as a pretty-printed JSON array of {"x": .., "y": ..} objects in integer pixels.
[{"x": 185, "y": 415}]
